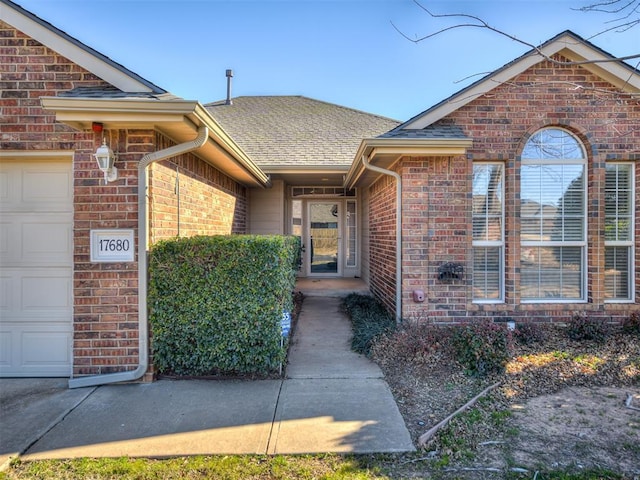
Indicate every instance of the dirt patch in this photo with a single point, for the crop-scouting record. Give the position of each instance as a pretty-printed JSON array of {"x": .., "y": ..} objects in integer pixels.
[
  {"x": 579, "y": 427},
  {"x": 560, "y": 406}
]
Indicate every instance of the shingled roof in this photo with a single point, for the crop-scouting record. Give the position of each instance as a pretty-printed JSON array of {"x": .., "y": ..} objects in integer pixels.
[
  {"x": 297, "y": 131},
  {"x": 434, "y": 131}
]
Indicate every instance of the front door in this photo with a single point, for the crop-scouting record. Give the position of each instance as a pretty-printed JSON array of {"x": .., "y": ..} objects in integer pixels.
[{"x": 324, "y": 238}]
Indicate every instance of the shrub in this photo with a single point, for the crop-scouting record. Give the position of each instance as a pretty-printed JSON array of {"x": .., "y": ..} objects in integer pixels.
[
  {"x": 215, "y": 303},
  {"x": 582, "y": 328},
  {"x": 419, "y": 344},
  {"x": 631, "y": 324},
  {"x": 529, "y": 333},
  {"x": 482, "y": 348},
  {"x": 369, "y": 319}
]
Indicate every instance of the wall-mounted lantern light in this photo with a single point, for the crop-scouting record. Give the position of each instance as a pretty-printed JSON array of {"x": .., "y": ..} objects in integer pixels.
[{"x": 106, "y": 158}]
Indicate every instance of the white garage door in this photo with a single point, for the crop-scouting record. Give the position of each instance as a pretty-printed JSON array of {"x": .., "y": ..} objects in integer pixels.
[{"x": 36, "y": 257}]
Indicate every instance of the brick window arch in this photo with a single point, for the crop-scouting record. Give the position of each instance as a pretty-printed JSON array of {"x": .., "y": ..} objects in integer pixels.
[{"x": 553, "y": 217}]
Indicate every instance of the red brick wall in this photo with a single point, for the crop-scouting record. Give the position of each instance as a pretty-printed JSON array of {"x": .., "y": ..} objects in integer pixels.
[
  {"x": 436, "y": 224},
  {"x": 382, "y": 241},
  {"x": 206, "y": 202},
  {"x": 437, "y": 191},
  {"x": 105, "y": 295},
  {"x": 28, "y": 71}
]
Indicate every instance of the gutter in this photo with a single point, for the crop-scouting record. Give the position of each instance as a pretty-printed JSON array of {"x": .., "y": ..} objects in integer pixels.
[
  {"x": 373, "y": 168},
  {"x": 143, "y": 328}
]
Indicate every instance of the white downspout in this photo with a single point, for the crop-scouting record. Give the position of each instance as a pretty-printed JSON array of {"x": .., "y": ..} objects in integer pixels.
[
  {"x": 143, "y": 330},
  {"x": 373, "y": 168}
]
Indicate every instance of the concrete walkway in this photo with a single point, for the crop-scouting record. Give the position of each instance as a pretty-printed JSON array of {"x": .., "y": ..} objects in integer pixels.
[{"x": 332, "y": 400}]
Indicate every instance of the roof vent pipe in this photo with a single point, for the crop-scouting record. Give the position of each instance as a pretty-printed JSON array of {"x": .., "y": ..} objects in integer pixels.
[{"x": 229, "y": 77}]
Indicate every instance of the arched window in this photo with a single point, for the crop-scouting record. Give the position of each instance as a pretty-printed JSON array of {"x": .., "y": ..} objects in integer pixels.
[{"x": 553, "y": 217}]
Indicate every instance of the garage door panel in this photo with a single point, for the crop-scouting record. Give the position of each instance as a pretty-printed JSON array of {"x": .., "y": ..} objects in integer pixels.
[
  {"x": 6, "y": 342},
  {"x": 36, "y": 186},
  {"x": 36, "y": 258},
  {"x": 5, "y": 228},
  {"x": 46, "y": 347},
  {"x": 49, "y": 184},
  {"x": 4, "y": 186},
  {"x": 5, "y": 294},
  {"x": 45, "y": 352},
  {"x": 47, "y": 240},
  {"x": 36, "y": 294},
  {"x": 48, "y": 292},
  {"x": 36, "y": 239}
]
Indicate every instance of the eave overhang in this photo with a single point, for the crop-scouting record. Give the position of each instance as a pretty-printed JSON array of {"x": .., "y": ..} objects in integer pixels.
[
  {"x": 177, "y": 119},
  {"x": 308, "y": 175},
  {"x": 567, "y": 44},
  {"x": 385, "y": 152}
]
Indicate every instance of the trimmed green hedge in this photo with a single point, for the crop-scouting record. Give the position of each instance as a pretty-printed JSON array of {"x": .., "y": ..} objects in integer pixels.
[{"x": 215, "y": 303}]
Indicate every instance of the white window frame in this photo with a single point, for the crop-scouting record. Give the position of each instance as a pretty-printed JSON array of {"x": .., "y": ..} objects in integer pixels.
[
  {"x": 551, "y": 243},
  {"x": 627, "y": 243},
  {"x": 351, "y": 234},
  {"x": 494, "y": 243}
]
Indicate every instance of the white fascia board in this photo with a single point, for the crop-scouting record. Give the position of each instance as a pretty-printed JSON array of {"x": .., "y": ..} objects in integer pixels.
[
  {"x": 612, "y": 71},
  {"x": 72, "y": 51},
  {"x": 399, "y": 147},
  {"x": 80, "y": 113},
  {"x": 427, "y": 146},
  {"x": 599, "y": 64},
  {"x": 173, "y": 117},
  {"x": 124, "y": 106},
  {"x": 224, "y": 140}
]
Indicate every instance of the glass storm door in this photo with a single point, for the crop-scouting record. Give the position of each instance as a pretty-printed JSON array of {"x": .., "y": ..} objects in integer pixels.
[{"x": 324, "y": 238}]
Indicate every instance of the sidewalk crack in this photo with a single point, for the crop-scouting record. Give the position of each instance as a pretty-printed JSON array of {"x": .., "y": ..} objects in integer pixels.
[{"x": 272, "y": 431}]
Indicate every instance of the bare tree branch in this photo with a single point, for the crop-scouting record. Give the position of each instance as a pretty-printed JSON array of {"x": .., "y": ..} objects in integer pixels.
[
  {"x": 472, "y": 21},
  {"x": 596, "y": 7},
  {"x": 620, "y": 28}
]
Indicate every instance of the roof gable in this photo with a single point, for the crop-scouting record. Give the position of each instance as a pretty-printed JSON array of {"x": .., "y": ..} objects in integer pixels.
[
  {"x": 76, "y": 51},
  {"x": 567, "y": 43}
]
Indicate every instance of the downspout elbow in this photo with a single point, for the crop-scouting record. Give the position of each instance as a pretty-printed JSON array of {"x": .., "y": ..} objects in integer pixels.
[
  {"x": 143, "y": 328},
  {"x": 398, "y": 178}
]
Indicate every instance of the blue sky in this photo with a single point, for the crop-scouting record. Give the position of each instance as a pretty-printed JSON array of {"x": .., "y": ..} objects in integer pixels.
[{"x": 341, "y": 51}]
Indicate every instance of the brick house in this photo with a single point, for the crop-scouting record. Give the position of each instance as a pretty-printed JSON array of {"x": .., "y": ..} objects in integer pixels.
[{"x": 516, "y": 197}]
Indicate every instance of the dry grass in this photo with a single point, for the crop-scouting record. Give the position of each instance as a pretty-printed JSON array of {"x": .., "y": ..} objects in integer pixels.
[{"x": 513, "y": 419}]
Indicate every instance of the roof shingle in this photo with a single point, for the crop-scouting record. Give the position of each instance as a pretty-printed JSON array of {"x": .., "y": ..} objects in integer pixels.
[{"x": 296, "y": 130}]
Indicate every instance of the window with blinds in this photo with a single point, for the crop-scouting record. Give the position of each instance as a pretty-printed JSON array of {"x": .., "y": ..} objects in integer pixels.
[
  {"x": 619, "y": 231},
  {"x": 352, "y": 237},
  {"x": 553, "y": 217},
  {"x": 488, "y": 232}
]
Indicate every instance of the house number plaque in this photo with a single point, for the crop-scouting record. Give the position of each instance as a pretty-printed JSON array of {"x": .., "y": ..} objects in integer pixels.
[{"x": 112, "y": 246}]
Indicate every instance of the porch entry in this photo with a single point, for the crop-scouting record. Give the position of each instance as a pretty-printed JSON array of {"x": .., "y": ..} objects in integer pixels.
[{"x": 327, "y": 228}]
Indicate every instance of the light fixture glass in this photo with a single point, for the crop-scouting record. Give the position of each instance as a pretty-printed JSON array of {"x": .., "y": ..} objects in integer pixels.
[{"x": 105, "y": 158}]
